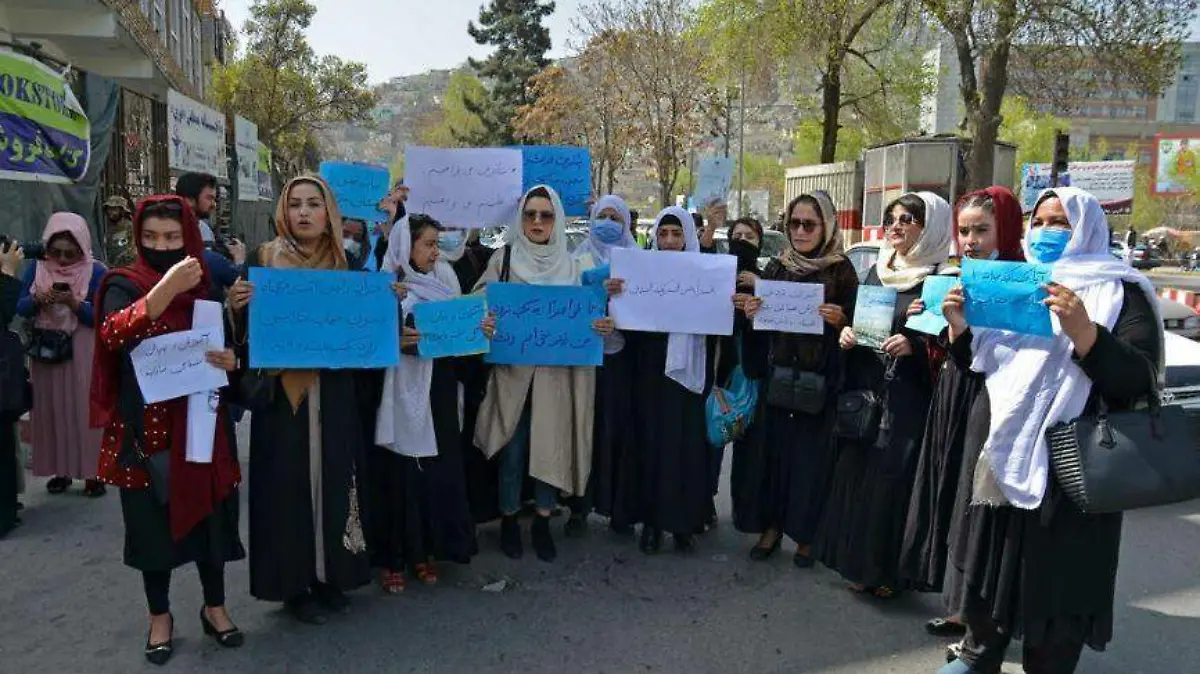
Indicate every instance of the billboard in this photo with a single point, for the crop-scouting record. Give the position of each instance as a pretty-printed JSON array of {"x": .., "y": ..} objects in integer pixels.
[
  {"x": 1175, "y": 164},
  {"x": 1110, "y": 181}
]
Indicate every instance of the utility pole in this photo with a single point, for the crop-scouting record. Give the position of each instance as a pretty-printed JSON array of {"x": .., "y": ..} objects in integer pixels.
[{"x": 742, "y": 141}]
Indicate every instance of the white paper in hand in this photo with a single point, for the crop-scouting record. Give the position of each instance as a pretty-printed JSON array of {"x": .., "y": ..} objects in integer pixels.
[
  {"x": 790, "y": 307},
  {"x": 174, "y": 365},
  {"x": 202, "y": 407}
]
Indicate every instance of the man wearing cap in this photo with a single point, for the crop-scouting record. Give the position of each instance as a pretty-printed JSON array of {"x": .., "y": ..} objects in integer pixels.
[{"x": 119, "y": 249}]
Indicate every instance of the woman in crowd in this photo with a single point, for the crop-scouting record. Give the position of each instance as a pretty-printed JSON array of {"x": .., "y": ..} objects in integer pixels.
[
  {"x": 779, "y": 484},
  {"x": 176, "y": 511},
  {"x": 863, "y": 522},
  {"x": 418, "y": 507},
  {"x": 988, "y": 224},
  {"x": 1034, "y": 567},
  {"x": 613, "y": 487},
  {"x": 14, "y": 397},
  {"x": 307, "y": 437},
  {"x": 539, "y": 418},
  {"x": 57, "y": 294},
  {"x": 673, "y": 376}
]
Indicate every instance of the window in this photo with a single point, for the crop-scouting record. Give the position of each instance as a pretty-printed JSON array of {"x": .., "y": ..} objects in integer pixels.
[
  {"x": 185, "y": 41},
  {"x": 197, "y": 60},
  {"x": 173, "y": 30},
  {"x": 158, "y": 19},
  {"x": 1185, "y": 99}
]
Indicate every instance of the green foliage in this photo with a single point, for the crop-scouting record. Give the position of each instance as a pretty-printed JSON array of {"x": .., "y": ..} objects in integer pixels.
[
  {"x": 282, "y": 86},
  {"x": 1031, "y": 131},
  {"x": 806, "y": 142},
  {"x": 455, "y": 122}
]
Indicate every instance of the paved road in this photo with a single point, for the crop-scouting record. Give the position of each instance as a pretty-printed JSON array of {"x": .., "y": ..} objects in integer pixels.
[
  {"x": 1174, "y": 279},
  {"x": 68, "y": 605}
]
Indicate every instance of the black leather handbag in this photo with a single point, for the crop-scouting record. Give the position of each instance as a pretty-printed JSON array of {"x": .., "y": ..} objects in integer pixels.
[
  {"x": 796, "y": 390},
  {"x": 50, "y": 346},
  {"x": 858, "y": 415},
  {"x": 1116, "y": 461}
]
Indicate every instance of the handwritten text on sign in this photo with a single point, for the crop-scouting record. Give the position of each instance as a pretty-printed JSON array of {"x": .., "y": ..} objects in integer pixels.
[
  {"x": 566, "y": 169},
  {"x": 323, "y": 319},
  {"x": 1007, "y": 296},
  {"x": 545, "y": 325},
  {"x": 357, "y": 188},
  {"x": 465, "y": 187},
  {"x": 174, "y": 365},
  {"x": 689, "y": 293},
  {"x": 451, "y": 327},
  {"x": 790, "y": 307}
]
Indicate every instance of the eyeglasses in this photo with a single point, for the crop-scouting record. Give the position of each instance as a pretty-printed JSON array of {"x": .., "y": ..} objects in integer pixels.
[
  {"x": 534, "y": 216},
  {"x": 809, "y": 226},
  {"x": 905, "y": 219},
  {"x": 64, "y": 254}
]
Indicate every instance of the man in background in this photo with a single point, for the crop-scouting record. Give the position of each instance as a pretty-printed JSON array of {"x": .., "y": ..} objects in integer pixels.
[
  {"x": 119, "y": 249},
  {"x": 200, "y": 191}
]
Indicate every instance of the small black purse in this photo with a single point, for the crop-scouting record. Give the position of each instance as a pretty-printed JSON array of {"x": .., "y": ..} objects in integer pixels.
[
  {"x": 50, "y": 346},
  {"x": 796, "y": 390},
  {"x": 859, "y": 413}
]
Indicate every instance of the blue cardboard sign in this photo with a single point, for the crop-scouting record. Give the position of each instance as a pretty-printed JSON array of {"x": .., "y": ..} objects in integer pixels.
[
  {"x": 874, "y": 311},
  {"x": 451, "y": 327},
  {"x": 567, "y": 169},
  {"x": 1007, "y": 296},
  {"x": 303, "y": 318},
  {"x": 545, "y": 325},
  {"x": 357, "y": 188},
  {"x": 931, "y": 321}
]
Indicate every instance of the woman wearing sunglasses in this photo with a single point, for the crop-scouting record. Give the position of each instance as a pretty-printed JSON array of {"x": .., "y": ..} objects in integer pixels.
[{"x": 57, "y": 294}]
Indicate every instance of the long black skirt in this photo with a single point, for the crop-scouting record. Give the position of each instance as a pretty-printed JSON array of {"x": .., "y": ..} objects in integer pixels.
[
  {"x": 148, "y": 542},
  {"x": 614, "y": 483}
]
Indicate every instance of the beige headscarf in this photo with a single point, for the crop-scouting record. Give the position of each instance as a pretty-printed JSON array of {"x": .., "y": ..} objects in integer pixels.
[
  {"x": 832, "y": 248},
  {"x": 927, "y": 256},
  {"x": 284, "y": 252}
]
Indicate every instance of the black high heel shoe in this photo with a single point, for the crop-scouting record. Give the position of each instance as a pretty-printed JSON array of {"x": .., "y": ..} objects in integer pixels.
[
  {"x": 159, "y": 654},
  {"x": 231, "y": 638}
]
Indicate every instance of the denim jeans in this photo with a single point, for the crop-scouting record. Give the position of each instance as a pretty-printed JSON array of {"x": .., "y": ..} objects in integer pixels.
[{"x": 514, "y": 466}]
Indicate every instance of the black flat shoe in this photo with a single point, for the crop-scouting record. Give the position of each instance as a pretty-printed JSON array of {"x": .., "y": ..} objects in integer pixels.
[
  {"x": 231, "y": 638},
  {"x": 330, "y": 598},
  {"x": 94, "y": 489},
  {"x": 940, "y": 627},
  {"x": 306, "y": 610},
  {"x": 159, "y": 654},
  {"x": 760, "y": 554},
  {"x": 684, "y": 543},
  {"x": 57, "y": 485},
  {"x": 576, "y": 526},
  {"x": 802, "y": 561},
  {"x": 510, "y": 537},
  {"x": 543, "y": 542}
]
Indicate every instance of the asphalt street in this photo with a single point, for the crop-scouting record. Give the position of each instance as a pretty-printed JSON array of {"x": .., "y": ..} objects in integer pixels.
[
  {"x": 1175, "y": 279},
  {"x": 69, "y": 605}
]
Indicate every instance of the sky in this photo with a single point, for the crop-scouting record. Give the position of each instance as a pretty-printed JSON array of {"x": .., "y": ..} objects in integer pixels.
[{"x": 404, "y": 37}]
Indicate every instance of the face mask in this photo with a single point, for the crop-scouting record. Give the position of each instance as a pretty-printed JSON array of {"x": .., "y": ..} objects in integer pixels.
[
  {"x": 449, "y": 240},
  {"x": 607, "y": 230},
  {"x": 1049, "y": 243},
  {"x": 351, "y": 247},
  {"x": 746, "y": 253},
  {"x": 162, "y": 260}
]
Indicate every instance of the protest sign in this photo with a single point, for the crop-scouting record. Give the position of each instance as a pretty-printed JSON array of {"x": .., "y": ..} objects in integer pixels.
[
  {"x": 323, "y": 319},
  {"x": 175, "y": 365},
  {"x": 45, "y": 135},
  {"x": 931, "y": 321},
  {"x": 566, "y": 169},
  {"x": 464, "y": 187},
  {"x": 713, "y": 178},
  {"x": 1006, "y": 296},
  {"x": 873, "y": 314},
  {"x": 245, "y": 135},
  {"x": 689, "y": 293},
  {"x": 545, "y": 325},
  {"x": 195, "y": 136},
  {"x": 265, "y": 189},
  {"x": 357, "y": 187},
  {"x": 790, "y": 307},
  {"x": 202, "y": 406},
  {"x": 451, "y": 327}
]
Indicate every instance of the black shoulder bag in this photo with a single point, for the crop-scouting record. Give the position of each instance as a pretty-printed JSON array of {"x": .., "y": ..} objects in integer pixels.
[
  {"x": 859, "y": 413},
  {"x": 50, "y": 346}
]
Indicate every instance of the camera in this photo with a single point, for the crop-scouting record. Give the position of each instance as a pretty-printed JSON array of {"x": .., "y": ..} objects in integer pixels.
[{"x": 34, "y": 250}]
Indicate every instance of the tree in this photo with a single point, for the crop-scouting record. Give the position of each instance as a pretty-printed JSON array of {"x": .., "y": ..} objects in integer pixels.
[
  {"x": 1031, "y": 131},
  {"x": 1082, "y": 44},
  {"x": 454, "y": 122},
  {"x": 281, "y": 85},
  {"x": 515, "y": 28}
]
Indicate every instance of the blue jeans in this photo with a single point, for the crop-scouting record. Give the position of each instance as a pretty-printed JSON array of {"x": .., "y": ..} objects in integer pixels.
[{"x": 514, "y": 466}]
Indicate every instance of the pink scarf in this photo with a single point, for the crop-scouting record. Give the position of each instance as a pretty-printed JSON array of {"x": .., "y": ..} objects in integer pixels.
[{"x": 77, "y": 275}]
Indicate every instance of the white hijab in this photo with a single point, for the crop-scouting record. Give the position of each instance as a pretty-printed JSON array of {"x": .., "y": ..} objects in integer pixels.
[
  {"x": 1033, "y": 382},
  {"x": 595, "y": 247},
  {"x": 549, "y": 264},
  {"x": 687, "y": 355},
  {"x": 927, "y": 256},
  {"x": 405, "y": 422}
]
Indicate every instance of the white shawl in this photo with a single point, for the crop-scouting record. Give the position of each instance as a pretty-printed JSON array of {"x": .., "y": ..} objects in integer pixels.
[
  {"x": 549, "y": 264},
  {"x": 405, "y": 422},
  {"x": 1033, "y": 382},
  {"x": 927, "y": 256},
  {"x": 686, "y": 354},
  {"x": 597, "y": 248}
]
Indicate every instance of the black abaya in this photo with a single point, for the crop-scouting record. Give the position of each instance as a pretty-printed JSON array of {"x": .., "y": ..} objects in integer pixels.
[
  {"x": 615, "y": 480},
  {"x": 10, "y": 289}
]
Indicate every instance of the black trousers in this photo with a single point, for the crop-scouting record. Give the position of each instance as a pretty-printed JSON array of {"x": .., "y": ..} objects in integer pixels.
[
  {"x": 8, "y": 473},
  {"x": 158, "y": 587},
  {"x": 985, "y": 645}
]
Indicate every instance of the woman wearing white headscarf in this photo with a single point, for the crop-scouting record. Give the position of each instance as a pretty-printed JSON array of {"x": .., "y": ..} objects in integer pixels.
[
  {"x": 1033, "y": 566},
  {"x": 540, "y": 416},
  {"x": 672, "y": 379},
  {"x": 863, "y": 522}
]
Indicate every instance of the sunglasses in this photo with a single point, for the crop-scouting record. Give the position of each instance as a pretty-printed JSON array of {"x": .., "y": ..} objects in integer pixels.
[
  {"x": 809, "y": 226},
  {"x": 64, "y": 254},
  {"x": 904, "y": 219},
  {"x": 534, "y": 216}
]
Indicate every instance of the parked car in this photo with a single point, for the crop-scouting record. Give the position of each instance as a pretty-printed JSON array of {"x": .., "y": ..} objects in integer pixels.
[
  {"x": 1145, "y": 257},
  {"x": 1118, "y": 249},
  {"x": 863, "y": 256}
]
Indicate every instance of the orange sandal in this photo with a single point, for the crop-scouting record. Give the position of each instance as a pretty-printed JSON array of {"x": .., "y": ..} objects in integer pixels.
[
  {"x": 427, "y": 573},
  {"x": 392, "y": 582}
]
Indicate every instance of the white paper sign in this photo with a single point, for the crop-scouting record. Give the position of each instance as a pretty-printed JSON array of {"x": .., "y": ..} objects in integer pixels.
[
  {"x": 790, "y": 307},
  {"x": 173, "y": 365},
  {"x": 245, "y": 135},
  {"x": 688, "y": 293},
  {"x": 472, "y": 187},
  {"x": 202, "y": 407},
  {"x": 195, "y": 136},
  {"x": 713, "y": 177}
]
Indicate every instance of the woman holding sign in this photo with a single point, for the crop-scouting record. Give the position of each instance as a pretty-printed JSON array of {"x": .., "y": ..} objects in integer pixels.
[
  {"x": 538, "y": 418},
  {"x": 309, "y": 434},
  {"x": 779, "y": 484},
  {"x": 1035, "y": 567},
  {"x": 176, "y": 511},
  {"x": 863, "y": 522}
]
